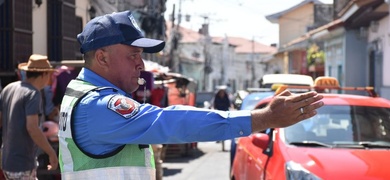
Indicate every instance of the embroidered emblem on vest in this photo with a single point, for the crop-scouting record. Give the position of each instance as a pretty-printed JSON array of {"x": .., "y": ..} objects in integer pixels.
[{"x": 123, "y": 105}]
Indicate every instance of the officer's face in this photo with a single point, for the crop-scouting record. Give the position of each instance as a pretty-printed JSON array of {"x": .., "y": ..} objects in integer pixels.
[{"x": 125, "y": 66}]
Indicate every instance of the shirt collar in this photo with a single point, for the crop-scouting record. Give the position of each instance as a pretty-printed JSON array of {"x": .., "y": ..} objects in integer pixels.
[{"x": 95, "y": 79}]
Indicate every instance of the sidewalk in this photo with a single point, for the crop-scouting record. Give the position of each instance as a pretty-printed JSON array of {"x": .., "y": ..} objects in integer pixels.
[{"x": 208, "y": 162}]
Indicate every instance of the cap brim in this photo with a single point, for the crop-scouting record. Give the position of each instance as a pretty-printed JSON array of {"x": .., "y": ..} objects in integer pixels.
[{"x": 149, "y": 45}]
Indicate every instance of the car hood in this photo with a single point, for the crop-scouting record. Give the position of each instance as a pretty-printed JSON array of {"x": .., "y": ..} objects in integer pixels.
[{"x": 334, "y": 163}]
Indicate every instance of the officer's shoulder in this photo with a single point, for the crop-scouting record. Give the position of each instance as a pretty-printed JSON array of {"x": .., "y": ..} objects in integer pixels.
[{"x": 101, "y": 92}]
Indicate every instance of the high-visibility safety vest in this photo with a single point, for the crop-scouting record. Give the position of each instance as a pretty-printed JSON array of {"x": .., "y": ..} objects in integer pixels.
[{"x": 126, "y": 162}]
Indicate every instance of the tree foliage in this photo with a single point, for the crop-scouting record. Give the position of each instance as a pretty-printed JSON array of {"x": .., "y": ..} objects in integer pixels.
[{"x": 315, "y": 55}]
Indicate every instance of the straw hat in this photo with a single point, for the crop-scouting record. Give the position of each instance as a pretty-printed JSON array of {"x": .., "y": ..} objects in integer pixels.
[{"x": 37, "y": 63}]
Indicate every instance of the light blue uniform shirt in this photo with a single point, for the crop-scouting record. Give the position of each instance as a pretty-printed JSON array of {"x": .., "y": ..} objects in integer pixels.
[{"x": 100, "y": 130}]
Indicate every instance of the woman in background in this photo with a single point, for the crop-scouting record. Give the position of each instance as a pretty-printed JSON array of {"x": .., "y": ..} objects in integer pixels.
[{"x": 222, "y": 102}]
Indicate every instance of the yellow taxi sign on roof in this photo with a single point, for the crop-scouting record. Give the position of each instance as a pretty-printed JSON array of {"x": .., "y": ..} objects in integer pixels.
[
  {"x": 280, "y": 89},
  {"x": 326, "y": 82},
  {"x": 320, "y": 84},
  {"x": 274, "y": 87}
]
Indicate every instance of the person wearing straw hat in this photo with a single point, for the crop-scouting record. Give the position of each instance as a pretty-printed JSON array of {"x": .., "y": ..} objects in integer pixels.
[
  {"x": 106, "y": 134},
  {"x": 21, "y": 114}
]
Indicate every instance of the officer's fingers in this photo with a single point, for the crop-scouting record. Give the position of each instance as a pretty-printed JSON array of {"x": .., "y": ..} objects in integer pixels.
[
  {"x": 285, "y": 93},
  {"x": 314, "y": 106},
  {"x": 302, "y": 96},
  {"x": 307, "y": 115},
  {"x": 306, "y": 102},
  {"x": 310, "y": 110}
]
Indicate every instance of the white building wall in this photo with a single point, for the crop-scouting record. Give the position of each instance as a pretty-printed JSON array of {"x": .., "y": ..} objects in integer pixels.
[
  {"x": 234, "y": 66},
  {"x": 40, "y": 23},
  {"x": 232, "y": 73},
  {"x": 188, "y": 49},
  {"x": 39, "y": 26},
  {"x": 191, "y": 66},
  {"x": 82, "y": 7},
  {"x": 275, "y": 66},
  {"x": 216, "y": 64},
  {"x": 334, "y": 57},
  {"x": 243, "y": 69},
  {"x": 382, "y": 35},
  {"x": 260, "y": 68}
]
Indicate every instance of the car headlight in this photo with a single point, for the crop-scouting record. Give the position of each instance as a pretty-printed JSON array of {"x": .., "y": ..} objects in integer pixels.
[{"x": 296, "y": 171}]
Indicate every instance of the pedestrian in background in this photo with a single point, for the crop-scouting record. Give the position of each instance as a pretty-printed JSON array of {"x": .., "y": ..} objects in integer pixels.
[
  {"x": 21, "y": 114},
  {"x": 105, "y": 134},
  {"x": 50, "y": 110},
  {"x": 222, "y": 101}
]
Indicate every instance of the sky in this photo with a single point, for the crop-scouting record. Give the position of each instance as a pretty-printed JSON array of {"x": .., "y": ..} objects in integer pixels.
[{"x": 239, "y": 18}]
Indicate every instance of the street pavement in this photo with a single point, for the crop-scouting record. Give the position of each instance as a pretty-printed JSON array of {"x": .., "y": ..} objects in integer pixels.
[{"x": 208, "y": 161}]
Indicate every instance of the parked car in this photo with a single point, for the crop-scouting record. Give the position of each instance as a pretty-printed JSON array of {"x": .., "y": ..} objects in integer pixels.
[
  {"x": 251, "y": 100},
  {"x": 248, "y": 103},
  {"x": 291, "y": 79},
  {"x": 240, "y": 95},
  {"x": 270, "y": 82},
  {"x": 203, "y": 99},
  {"x": 349, "y": 138}
]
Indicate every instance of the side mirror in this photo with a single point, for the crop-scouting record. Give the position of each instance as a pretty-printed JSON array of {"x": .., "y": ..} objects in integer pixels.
[{"x": 260, "y": 140}]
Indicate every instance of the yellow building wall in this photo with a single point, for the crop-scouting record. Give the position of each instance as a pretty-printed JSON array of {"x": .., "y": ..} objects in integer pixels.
[{"x": 294, "y": 23}]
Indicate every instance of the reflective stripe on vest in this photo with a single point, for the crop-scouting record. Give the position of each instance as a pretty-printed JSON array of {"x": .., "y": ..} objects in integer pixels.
[{"x": 130, "y": 162}]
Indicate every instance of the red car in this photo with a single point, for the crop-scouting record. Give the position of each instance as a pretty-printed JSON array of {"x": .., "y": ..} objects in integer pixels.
[{"x": 349, "y": 138}]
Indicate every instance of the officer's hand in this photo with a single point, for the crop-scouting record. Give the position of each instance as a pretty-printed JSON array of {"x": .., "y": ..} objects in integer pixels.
[{"x": 285, "y": 110}]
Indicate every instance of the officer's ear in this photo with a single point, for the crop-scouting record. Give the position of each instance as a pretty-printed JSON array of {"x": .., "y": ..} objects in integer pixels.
[{"x": 101, "y": 57}]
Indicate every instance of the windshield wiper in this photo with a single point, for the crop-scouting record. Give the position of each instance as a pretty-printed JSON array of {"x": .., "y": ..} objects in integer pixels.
[
  {"x": 348, "y": 145},
  {"x": 363, "y": 144},
  {"x": 376, "y": 144},
  {"x": 310, "y": 144}
]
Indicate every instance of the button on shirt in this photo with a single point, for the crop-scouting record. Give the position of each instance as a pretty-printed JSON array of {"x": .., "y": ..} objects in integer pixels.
[{"x": 99, "y": 130}]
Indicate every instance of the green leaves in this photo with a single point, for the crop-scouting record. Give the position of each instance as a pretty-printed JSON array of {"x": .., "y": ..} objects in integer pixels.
[{"x": 314, "y": 55}]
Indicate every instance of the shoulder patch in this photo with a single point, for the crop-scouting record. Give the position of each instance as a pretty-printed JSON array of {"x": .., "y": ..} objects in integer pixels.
[{"x": 123, "y": 105}]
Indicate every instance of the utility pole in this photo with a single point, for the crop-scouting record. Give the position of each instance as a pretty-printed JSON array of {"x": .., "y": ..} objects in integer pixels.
[
  {"x": 207, "y": 63},
  {"x": 253, "y": 63},
  {"x": 174, "y": 61},
  {"x": 226, "y": 63},
  {"x": 206, "y": 46},
  {"x": 177, "y": 61},
  {"x": 174, "y": 42}
]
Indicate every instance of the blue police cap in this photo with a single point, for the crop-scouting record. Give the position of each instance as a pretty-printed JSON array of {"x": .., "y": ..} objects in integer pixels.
[{"x": 116, "y": 28}]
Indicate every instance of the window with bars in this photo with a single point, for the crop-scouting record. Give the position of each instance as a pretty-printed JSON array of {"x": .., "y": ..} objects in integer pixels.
[
  {"x": 15, "y": 34},
  {"x": 62, "y": 30}
]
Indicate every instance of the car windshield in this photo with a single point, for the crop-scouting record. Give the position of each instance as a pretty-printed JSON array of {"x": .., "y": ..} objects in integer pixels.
[
  {"x": 251, "y": 100},
  {"x": 342, "y": 126},
  {"x": 201, "y": 97}
]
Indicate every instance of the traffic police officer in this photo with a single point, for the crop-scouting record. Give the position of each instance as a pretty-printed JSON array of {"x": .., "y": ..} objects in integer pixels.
[{"x": 105, "y": 134}]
